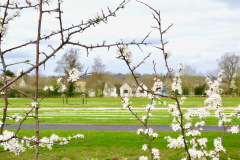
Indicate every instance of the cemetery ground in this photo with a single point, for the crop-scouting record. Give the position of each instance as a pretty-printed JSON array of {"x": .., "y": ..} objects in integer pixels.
[{"x": 112, "y": 144}]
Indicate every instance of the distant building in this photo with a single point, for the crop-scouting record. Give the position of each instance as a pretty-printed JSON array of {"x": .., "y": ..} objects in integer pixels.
[
  {"x": 91, "y": 93},
  {"x": 22, "y": 83},
  {"x": 133, "y": 90},
  {"x": 109, "y": 90},
  {"x": 80, "y": 87},
  {"x": 141, "y": 92},
  {"x": 125, "y": 90}
]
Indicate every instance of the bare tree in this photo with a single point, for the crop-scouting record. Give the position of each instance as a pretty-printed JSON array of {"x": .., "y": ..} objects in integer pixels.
[
  {"x": 98, "y": 70},
  {"x": 229, "y": 62},
  {"x": 188, "y": 79},
  {"x": 98, "y": 66},
  {"x": 69, "y": 60}
]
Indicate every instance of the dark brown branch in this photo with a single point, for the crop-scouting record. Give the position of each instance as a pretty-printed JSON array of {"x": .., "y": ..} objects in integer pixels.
[
  {"x": 141, "y": 62},
  {"x": 163, "y": 32},
  {"x": 32, "y": 68},
  {"x": 60, "y": 20},
  {"x": 105, "y": 46},
  {"x": 79, "y": 28},
  {"x": 26, "y": 115},
  {"x": 4, "y": 72},
  {"x": 19, "y": 8},
  {"x": 27, "y": 62}
]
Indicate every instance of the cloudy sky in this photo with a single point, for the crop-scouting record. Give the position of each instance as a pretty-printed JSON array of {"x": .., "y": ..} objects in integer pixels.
[{"x": 203, "y": 30}]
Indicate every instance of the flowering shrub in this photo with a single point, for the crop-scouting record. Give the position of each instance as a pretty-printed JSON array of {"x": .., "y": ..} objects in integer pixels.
[
  {"x": 10, "y": 9},
  {"x": 195, "y": 147},
  {"x": 15, "y": 144}
]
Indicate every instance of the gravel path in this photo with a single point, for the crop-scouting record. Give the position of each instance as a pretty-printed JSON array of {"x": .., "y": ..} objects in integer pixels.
[{"x": 105, "y": 127}]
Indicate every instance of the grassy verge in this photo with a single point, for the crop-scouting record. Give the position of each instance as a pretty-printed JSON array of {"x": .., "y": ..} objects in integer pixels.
[
  {"x": 119, "y": 145},
  {"x": 190, "y": 102},
  {"x": 106, "y": 117}
]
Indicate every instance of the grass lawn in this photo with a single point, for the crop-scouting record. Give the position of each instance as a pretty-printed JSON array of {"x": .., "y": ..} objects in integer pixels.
[
  {"x": 105, "y": 117},
  {"x": 119, "y": 145},
  {"x": 190, "y": 102},
  {"x": 112, "y": 144},
  {"x": 75, "y": 115}
]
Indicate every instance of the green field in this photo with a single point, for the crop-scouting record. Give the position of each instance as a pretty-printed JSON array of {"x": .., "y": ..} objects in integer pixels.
[
  {"x": 106, "y": 111},
  {"x": 117, "y": 116},
  {"x": 119, "y": 145},
  {"x": 112, "y": 102},
  {"x": 112, "y": 144}
]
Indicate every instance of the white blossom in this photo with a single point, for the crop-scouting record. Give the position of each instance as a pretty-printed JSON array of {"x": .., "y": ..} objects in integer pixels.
[
  {"x": 149, "y": 131},
  {"x": 20, "y": 71},
  {"x": 165, "y": 103},
  {"x": 193, "y": 132},
  {"x": 157, "y": 86},
  {"x": 175, "y": 143},
  {"x": 54, "y": 138},
  {"x": 176, "y": 84},
  {"x": 143, "y": 158},
  {"x": 78, "y": 136},
  {"x": 139, "y": 131},
  {"x": 176, "y": 127},
  {"x": 150, "y": 96},
  {"x": 34, "y": 104},
  {"x": 155, "y": 153},
  {"x": 232, "y": 85},
  {"x": 59, "y": 80},
  {"x": 45, "y": 88},
  {"x": 144, "y": 118},
  {"x": 63, "y": 88},
  {"x": 126, "y": 103},
  {"x": 181, "y": 66},
  {"x": 218, "y": 145},
  {"x": 144, "y": 147},
  {"x": 51, "y": 88},
  {"x": 73, "y": 75},
  {"x": 234, "y": 129},
  {"x": 196, "y": 154},
  {"x": 187, "y": 125},
  {"x": 155, "y": 135},
  {"x": 16, "y": 117},
  {"x": 150, "y": 107},
  {"x": 167, "y": 55},
  {"x": 11, "y": 145}
]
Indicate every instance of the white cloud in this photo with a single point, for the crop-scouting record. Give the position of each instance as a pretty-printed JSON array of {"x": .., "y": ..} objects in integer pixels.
[{"x": 202, "y": 32}]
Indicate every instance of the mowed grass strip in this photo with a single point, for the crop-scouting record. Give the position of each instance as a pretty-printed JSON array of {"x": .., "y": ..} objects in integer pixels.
[
  {"x": 108, "y": 117},
  {"x": 119, "y": 145},
  {"x": 191, "y": 102}
]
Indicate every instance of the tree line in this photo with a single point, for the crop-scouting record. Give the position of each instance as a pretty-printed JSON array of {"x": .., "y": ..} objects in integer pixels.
[{"x": 193, "y": 83}]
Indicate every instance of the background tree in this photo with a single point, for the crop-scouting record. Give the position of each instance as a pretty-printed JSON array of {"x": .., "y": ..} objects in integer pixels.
[
  {"x": 200, "y": 90},
  {"x": 98, "y": 70},
  {"x": 10, "y": 73},
  {"x": 229, "y": 62},
  {"x": 69, "y": 60},
  {"x": 98, "y": 66},
  {"x": 188, "y": 77},
  {"x": 237, "y": 81}
]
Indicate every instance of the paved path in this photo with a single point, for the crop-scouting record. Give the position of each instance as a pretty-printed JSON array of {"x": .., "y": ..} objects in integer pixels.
[{"x": 105, "y": 127}]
